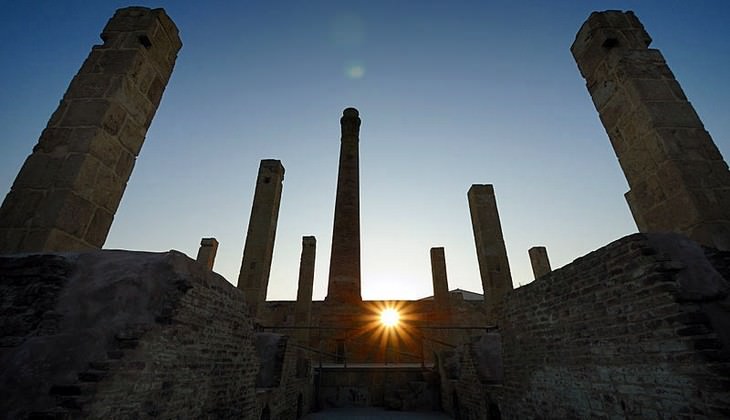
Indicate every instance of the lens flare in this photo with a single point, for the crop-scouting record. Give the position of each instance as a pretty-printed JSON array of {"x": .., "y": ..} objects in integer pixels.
[{"x": 389, "y": 317}]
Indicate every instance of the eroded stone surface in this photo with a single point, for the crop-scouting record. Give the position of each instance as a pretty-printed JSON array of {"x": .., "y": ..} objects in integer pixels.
[
  {"x": 67, "y": 192},
  {"x": 344, "y": 274},
  {"x": 253, "y": 278},
  {"x": 539, "y": 261},
  {"x": 679, "y": 181},
  {"x": 206, "y": 252},
  {"x": 491, "y": 250}
]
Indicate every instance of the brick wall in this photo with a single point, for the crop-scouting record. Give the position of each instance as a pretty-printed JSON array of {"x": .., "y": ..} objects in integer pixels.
[
  {"x": 637, "y": 329},
  {"x": 117, "y": 334}
]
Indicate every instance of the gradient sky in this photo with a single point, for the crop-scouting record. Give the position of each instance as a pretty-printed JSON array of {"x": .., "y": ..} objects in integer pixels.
[{"x": 450, "y": 94}]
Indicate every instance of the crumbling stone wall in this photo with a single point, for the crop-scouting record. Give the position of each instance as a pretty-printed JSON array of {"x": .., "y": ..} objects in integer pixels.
[
  {"x": 118, "y": 334},
  {"x": 637, "y": 329},
  {"x": 289, "y": 392}
]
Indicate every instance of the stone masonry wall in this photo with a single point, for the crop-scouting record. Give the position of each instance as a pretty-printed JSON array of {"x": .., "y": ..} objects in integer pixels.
[
  {"x": 637, "y": 329},
  {"x": 293, "y": 395},
  {"x": 118, "y": 334}
]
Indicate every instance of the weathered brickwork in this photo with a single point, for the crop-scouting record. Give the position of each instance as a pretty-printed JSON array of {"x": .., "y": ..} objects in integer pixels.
[
  {"x": 206, "y": 252},
  {"x": 69, "y": 188},
  {"x": 679, "y": 181},
  {"x": 293, "y": 395},
  {"x": 539, "y": 261},
  {"x": 489, "y": 241},
  {"x": 344, "y": 276},
  {"x": 258, "y": 251},
  {"x": 117, "y": 334},
  {"x": 637, "y": 329},
  {"x": 303, "y": 307}
]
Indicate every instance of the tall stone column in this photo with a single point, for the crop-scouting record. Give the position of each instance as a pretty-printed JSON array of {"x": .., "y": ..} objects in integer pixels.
[
  {"x": 678, "y": 180},
  {"x": 539, "y": 261},
  {"x": 69, "y": 188},
  {"x": 491, "y": 250},
  {"x": 253, "y": 278},
  {"x": 206, "y": 252},
  {"x": 438, "y": 275},
  {"x": 303, "y": 307},
  {"x": 344, "y": 275}
]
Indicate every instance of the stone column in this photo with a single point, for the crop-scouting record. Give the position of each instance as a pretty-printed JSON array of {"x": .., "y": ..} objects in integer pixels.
[
  {"x": 303, "y": 308},
  {"x": 206, "y": 252},
  {"x": 69, "y": 188},
  {"x": 491, "y": 251},
  {"x": 440, "y": 281},
  {"x": 344, "y": 275},
  {"x": 678, "y": 180},
  {"x": 539, "y": 260},
  {"x": 253, "y": 278}
]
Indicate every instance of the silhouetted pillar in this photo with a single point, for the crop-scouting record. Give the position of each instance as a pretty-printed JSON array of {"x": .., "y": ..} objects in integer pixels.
[
  {"x": 491, "y": 250},
  {"x": 344, "y": 275},
  {"x": 69, "y": 188},
  {"x": 253, "y": 278},
  {"x": 440, "y": 281},
  {"x": 678, "y": 180},
  {"x": 206, "y": 252},
  {"x": 539, "y": 260},
  {"x": 303, "y": 308}
]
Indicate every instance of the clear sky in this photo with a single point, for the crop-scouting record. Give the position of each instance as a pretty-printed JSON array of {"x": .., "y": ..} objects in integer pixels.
[{"x": 450, "y": 94}]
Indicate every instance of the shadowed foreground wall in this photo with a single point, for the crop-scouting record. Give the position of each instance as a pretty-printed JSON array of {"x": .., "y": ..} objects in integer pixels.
[
  {"x": 118, "y": 334},
  {"x": 637, "y": 329}
]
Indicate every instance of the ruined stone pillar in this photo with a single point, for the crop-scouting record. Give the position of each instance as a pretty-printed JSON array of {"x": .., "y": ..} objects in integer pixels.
[
  {"x": 678, "y": 180},
  {"x": 206, "y": 252},
  {"x": 303, "y": 307},
  {"x": 69, "y": 188},
  {"x": 253, "y": 278},
  {"x": 438, "y": 274},
  {"x": 539, "y": 260},
  {"x": 344, "y": 275},
  {"x": 491, "y": 251}
]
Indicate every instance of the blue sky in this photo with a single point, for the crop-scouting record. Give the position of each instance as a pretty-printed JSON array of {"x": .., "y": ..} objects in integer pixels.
[{"x": 450, "y": 94}]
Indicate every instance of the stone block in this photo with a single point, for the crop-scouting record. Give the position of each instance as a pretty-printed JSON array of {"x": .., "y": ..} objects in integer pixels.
[
  {"x": 78, "y": 173},
  {"x": 54, "y": 141},
  {"x": 20, "y": 208},
  {"x": 670, "y": 114},
  {"x": 88, "y": 86},
  {"x": 132, "y": 136},
  {"x": 108, "y": 189},
  {"x": 98, "y": 228},
  {"x": 66, "y": 211},
  {"x": 121, "y": 62},
  {"x": 38, "y": 172}
]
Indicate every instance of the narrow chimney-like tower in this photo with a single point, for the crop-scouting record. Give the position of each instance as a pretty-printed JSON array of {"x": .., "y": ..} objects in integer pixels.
[
  {"x": 440, "y": 280},
  {"x": 206, "y": 252},
  {"x": 69, "y": 188},
  {"x": 678, "y": 180},
  {"x": 344, "y": 275},
  {"x": 491, "y": 250},
  {"x": 303, "y": 308},
  {"x": 539, "y": 261},
  {"x": 256, "y": 265}
]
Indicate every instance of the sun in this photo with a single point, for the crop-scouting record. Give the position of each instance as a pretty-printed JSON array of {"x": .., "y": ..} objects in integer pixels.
[{"x": 389, "y": 317}]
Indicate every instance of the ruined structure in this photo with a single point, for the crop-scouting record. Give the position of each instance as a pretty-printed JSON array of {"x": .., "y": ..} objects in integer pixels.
[
  {"x": 253, "y": 278},
  {"x": 344, "y": 277},
  {"x": 303, "y": 310},
  {"x": 206, "y": 252},
  {"x": 679, "y": 181},
  {"x": 636, "y": 329},
  {"x": 66, "y": 194},
  {"x": 539, "y": 261},
  {"x": 438, "y": 275},
  {"x": 491, "y": 251}
]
